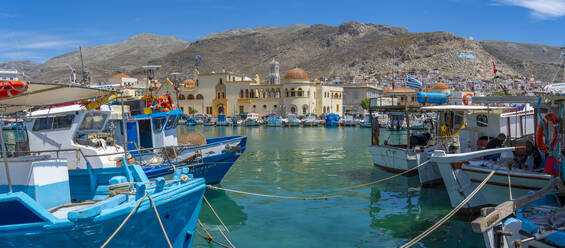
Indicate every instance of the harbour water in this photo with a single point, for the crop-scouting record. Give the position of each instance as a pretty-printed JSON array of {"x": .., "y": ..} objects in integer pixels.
[{"x": 319, "y": 162}]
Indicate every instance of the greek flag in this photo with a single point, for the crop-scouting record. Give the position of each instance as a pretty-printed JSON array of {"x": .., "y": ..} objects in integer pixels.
[{"x": 413, "y": 83}]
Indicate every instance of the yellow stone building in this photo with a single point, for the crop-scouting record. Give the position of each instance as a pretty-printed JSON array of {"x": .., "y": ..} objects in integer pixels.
[{"x": 230, "y": 93}]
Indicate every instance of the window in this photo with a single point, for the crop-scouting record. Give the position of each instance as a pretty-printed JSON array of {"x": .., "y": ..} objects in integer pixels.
[
  {"x": 190, "y": 97},
  {"x": 300, "y": 92},
  {"x": 181, "y": 97},
  {"x": 43, "y": 123},
  {"x": 196, "y": 82},
  {"x": 63, "y": 121},
  {"x": 241, "y": 94},
  {"x": 172, "y": 122},
  {"x": 246, "y": 93},
  {"x": 199, "y": 97},
  {"x": 292, "y": 93},
  {"x": 241, "y": 109},
  {"x": 158, "y": 123},
  {"x": 92, "y": 121},
  {"x": 275, "y": 106},
  {"x": 265, "y": 106}
]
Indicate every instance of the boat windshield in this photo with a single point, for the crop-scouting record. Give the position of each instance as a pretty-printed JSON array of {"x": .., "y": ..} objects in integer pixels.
[
  {"x": 158, "y": 123},
  {"x": 172, "y": 122},
  {"x": 93, "y": 121}
]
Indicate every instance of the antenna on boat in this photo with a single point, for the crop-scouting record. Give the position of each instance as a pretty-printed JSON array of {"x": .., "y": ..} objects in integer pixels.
[{"x": 4, "y": 155}]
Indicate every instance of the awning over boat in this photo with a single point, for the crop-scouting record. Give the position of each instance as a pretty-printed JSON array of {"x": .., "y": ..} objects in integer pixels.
[
  {"x": 505, "y": 99},
  {"x": 45, "y": 94},
  {"x": 462, "y": 107}
]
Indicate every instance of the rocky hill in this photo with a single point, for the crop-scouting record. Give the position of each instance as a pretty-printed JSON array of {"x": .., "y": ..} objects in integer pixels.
[
  {"x": 351, "y": 49},
  {"x": 106, "y": 60}
]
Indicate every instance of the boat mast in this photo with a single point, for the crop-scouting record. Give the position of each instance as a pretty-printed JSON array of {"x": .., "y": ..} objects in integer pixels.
[
  {"x": 5, "y": 156},
  {"x": 85, "y": 76}
]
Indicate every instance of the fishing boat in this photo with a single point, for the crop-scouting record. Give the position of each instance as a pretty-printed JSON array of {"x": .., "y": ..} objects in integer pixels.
[
  {"x": 236, "y": 120},
  {"x": 348, "y": 121},
  {"x": 155, "y": 134},
  {"x": 222, "y": 120},
  {"x": 366, "y": 122},
  {"x": 533, "y": 220},
  {"x": 273, "y": 120},
  {"x": 463, "y": 171},
  {"x": 45, "y": 203},
  {"x": 208, "y": 121},
  {"x": 311, "y": 120},
  {"x": 252, "y": 120},
  {"x": 453, "y": 129},
  {"x": 332, "y": 120},
  {"x": 189, "y": 120},
  {"x": 200, "y": 118},
  {"x": 291, "y": 121}
]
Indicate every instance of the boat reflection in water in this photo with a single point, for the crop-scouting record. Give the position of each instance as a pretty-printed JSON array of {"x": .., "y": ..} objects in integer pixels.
[
  {"x": 401, "y": 209},
  {"x": 231, "y": 214}
]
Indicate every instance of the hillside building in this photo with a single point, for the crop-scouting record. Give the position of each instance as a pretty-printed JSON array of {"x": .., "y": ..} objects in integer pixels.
[{"x": 9, "y": 75}]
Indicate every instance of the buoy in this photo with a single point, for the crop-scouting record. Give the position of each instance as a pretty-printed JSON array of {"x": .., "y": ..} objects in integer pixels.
[
  {"x": 540, "y": 141},
  {"x": 12, "y": 88},
  {"x": 465, "y": 101}
]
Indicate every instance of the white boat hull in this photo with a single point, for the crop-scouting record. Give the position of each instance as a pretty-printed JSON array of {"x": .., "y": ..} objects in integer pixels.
[
  {"x": 394, "y": 159},
  {"x": 460, "y": 180}
]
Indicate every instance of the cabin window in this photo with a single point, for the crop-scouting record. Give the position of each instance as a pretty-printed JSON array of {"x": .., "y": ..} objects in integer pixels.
[
  {"x": 43, "y": 123},
  {"x": 93, "y": 120},
  {"x": 63, "y": 121},
  {"x": 171, "y": 123},
  {"x": 482, "y": 120},
  {"x": 158, "y": 123}
]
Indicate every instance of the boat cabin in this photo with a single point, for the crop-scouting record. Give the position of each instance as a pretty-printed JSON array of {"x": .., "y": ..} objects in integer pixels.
[
  {"x": 153, "y": 130},
  {"x": 70, "y": 127}
]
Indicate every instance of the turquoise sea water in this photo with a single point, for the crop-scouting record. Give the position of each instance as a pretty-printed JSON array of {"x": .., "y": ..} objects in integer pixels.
[{"x": 319, "y": 162}]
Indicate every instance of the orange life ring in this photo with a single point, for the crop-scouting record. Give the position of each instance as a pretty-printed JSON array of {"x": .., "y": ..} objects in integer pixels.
[
  {"x": 540, "y": 137},
  {"x": 12, "y": 88},
  {"x": 465, "y": 101}
]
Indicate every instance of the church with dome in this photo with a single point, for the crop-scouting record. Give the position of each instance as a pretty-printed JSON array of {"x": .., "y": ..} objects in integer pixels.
[{"x": 230, "y": 93}]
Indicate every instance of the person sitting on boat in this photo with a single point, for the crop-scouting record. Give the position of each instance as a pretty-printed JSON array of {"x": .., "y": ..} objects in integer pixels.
[
  {"x": 534, "y": 158},
  {"x": 495, "y": 143}
]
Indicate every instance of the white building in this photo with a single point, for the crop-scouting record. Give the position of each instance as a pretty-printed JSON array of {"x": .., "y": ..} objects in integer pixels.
[
  {"x": 8, "y": 75},
  {"x": 230, "y": 93}
]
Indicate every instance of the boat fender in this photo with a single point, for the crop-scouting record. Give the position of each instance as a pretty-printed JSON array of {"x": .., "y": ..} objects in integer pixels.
[
  {"x": 551, "y": 166},
  {"x": 540, "y": 135},
  {"x": 465, "y": 100}
]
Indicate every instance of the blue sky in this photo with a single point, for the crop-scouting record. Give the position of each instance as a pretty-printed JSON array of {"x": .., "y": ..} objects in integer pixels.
[{"x": 39, "y": 30}]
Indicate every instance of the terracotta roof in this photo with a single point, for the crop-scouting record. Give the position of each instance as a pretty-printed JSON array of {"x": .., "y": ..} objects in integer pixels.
[
  {"x": 441, "y": 86},
  {"x": 189, "y": 83},
  {"x": 120, "y": 76},
  {"x": 296, "y": 73}
]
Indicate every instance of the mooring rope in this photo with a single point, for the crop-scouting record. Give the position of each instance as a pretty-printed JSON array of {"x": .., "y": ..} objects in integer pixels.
[
  {"x": 448, "y": 215},
  {"x": 216, "y": 214},
  {"x": 388, "y": 178},
  {"x": 273, "y": 196},
  {"x": 209, "y": 238},
  {"x": 131, "y": 213},
  {"x": 226, "y": 237}
]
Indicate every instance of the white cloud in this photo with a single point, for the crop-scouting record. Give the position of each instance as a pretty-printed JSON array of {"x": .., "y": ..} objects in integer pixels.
[
  {"x": 542, "y": 9},
  {"x": 35, "y": 46}
]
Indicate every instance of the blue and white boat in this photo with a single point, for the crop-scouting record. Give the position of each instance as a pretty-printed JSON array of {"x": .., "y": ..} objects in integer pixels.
[
  {"x": 291, "y": 121},
  {"x": 189, "y": 120},
  {"x": 273, "y": 120},
  {"x": 311, "y": 120},
  {"x": 366, "y": 122},
  {"x": 332, "y": 120},
  {"x": 45, "y": 204},
  {"x": 157, "y": 131},
  {"x": 252, "y": 120},
  {"x": 222, "y": 120}
]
